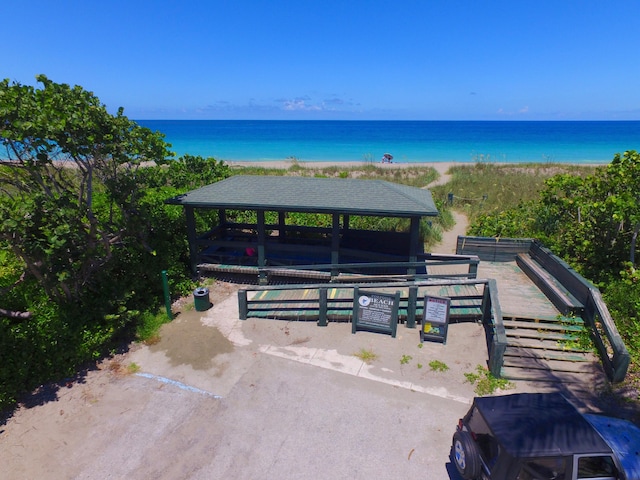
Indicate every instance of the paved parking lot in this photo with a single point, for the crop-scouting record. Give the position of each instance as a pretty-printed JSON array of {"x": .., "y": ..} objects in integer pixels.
[{"x": 257, "y": 399}]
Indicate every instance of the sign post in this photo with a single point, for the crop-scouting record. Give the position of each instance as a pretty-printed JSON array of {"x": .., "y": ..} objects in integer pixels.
[
  {"x": 376, "y": 312},
  {"x": 435, "y": 321}
]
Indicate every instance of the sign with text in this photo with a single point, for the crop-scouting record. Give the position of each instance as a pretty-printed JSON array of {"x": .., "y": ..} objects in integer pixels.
[
  {"x": 374, "y": 311},
  {"x": 435, "y": 321}
]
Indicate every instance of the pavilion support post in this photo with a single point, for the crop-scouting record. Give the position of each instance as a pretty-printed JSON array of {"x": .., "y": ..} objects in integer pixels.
[
  {"x": 222, "y": 223},
  {"x": 414, "y": 243},
  {"x": 335, "y": 245},
  {"x": 262, "y": 259},
  {"x": 282, "y": 231},
  {"x": 191, "y": 238}
]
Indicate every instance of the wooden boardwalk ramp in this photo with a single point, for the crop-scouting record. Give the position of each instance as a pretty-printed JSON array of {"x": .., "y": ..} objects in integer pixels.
[
  {"x": 552, "y": 349},
  {"x": 542, "y": 344}
]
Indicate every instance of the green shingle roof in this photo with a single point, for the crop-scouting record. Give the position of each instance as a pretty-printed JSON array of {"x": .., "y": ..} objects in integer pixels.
[{"x": 304, "y": 194}]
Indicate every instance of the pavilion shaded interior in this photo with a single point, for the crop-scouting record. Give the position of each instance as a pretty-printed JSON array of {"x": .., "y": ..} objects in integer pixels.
[{"x": 271, "y": 240}]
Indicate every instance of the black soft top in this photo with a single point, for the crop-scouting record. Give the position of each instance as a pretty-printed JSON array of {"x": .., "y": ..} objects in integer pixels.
[{"x": 539, "y": 425}]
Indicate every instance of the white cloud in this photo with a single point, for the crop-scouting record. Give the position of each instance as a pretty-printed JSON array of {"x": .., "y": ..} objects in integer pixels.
[
  {"x": 510, "y": 113},
  {"x": 299, "y": 104}
]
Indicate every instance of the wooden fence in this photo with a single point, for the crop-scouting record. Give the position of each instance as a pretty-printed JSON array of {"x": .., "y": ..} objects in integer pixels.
[
  {"x": 479, "y": 303},
  {"x": 422, "y": 269}
]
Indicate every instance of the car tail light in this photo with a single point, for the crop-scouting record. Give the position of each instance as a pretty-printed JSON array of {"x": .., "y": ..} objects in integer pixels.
[{"x": 462, "y": 427}]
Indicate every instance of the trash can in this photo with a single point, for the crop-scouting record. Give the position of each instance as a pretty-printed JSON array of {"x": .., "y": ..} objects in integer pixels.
[{"x": 201, "y": 299}]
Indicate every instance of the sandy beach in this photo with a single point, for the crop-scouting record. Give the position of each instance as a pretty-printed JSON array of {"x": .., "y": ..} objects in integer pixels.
[{"x": 441, "y": 167}]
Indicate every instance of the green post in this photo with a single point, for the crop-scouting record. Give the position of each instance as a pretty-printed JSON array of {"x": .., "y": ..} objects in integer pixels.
[
  {"x": 473, "y": 269},
  {"x": 167, "y": 297},
  {"x": 412, "y": 303},
  {"x": 243, "y": 307},
  {"x": 356, "y": 307},
  {"x": 322, "y": 307}
]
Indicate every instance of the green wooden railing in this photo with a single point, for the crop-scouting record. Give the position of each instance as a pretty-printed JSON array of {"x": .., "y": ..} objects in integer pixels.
[
  {"x": 613, "y": 353},
  {"x": 285, "y": 301},
  {"x": 422, "y": 269}
]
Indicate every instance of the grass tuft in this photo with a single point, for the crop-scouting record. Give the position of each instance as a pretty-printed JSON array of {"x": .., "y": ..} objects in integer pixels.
[
  {"x": 438, "y": 366},
  {"x": 486, "y": 383},
  {"x": 367, "y": 356}
]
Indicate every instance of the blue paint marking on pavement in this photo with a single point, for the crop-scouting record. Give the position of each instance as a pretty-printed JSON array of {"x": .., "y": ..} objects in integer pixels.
[{"x": 177, "y": 384}]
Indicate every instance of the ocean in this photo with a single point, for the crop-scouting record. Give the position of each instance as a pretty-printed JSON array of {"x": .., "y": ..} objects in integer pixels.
[{"x": 408, "y": 141}]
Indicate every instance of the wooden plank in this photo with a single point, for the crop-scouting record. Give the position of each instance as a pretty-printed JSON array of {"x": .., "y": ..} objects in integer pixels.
[
  {"x": 292, "y": 272},
  {"x": 557, "y": 327},
  {"x": 535, "y": 375},
  {"x": 557, "y": 293},
  {"x": 466, "y": 300},
  {"x": 561, "y": 320},
  {"x": 492, "y": 249},
  {"x": 537, "y": 363},
  {"x": 224, "y": 268},
  {"x": 569, "y": 278},
  {"x": 528, "y": 333},
  {"x": 517, "y": 294},
  {"x": 550, "y": 345},
  {"x": 564, "y": 355}
]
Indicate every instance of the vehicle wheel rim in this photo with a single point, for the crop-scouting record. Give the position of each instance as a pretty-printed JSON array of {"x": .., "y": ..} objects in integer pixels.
[{"x": 459, "y": 453}]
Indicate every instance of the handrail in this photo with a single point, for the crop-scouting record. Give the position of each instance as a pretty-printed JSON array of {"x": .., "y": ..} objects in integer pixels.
[
  {"x": 334, "y": 270},
  {"x": 319, "y": 305},
  {"x": 596, "y": 313},
  {"x": 494, "y": 327},
  {"x": 613, "y": 353},
  {"x": 337, "y": 268}
]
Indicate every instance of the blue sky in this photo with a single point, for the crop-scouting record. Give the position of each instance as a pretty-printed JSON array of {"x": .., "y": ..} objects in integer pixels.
[{"x": 335, "y": 59}]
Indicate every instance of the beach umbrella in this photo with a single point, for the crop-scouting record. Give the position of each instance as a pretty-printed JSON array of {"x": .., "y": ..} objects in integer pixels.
[{"x": 388, "y": 156}]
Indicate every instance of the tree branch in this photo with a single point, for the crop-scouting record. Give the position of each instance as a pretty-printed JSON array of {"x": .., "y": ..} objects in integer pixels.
[
  {"x": 634, "y": 238},
  {"x": 14, "y": 314}
]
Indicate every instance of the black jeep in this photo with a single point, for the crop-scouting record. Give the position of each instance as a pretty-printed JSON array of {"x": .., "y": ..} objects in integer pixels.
[{"x": 543, "y": 436}]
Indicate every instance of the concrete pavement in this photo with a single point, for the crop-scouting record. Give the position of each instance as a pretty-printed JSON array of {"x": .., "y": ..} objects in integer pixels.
[{"x": 292, "y": 400}]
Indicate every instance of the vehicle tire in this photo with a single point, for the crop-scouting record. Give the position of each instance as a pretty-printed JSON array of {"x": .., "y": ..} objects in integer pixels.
[{"x": 466, "y": 455}]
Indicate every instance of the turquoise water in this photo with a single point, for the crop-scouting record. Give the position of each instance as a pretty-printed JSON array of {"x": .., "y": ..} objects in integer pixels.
[{"x": 407, "y": 141}]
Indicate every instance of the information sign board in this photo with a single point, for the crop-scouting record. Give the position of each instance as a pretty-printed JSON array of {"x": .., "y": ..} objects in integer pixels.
[
  {"x": 435, "y": 322},
  {"x": 375, "y": 311}
]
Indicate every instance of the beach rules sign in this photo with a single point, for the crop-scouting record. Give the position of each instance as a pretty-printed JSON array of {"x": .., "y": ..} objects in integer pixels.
[
  {"x": 435, "y": 323},
  {"x": 375, "y": 311}
]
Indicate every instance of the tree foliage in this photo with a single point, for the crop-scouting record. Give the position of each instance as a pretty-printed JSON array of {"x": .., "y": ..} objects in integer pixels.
[
  {"x": 590, "y": 221},
  {"x": 593, "y": 219},
  {"x": 68, "y": 198},
  {"x": 84, "y": 230}
]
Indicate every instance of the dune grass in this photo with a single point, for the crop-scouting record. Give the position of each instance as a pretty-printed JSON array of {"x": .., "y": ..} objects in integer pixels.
[
  {"x": 491, "y": 187},
  {"x": 477, "y": 188},
  {"x": 418, "y": 176}
]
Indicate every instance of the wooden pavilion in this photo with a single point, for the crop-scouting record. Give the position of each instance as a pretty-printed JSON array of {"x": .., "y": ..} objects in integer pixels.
[{"x": 271, "y": 241}]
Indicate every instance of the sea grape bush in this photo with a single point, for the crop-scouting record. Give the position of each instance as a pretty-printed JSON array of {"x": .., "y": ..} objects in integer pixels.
[
  {"x": 84, "y": 230},
  {"x": 592, "y": 222},
  {"x": 622, "y": 296}
]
